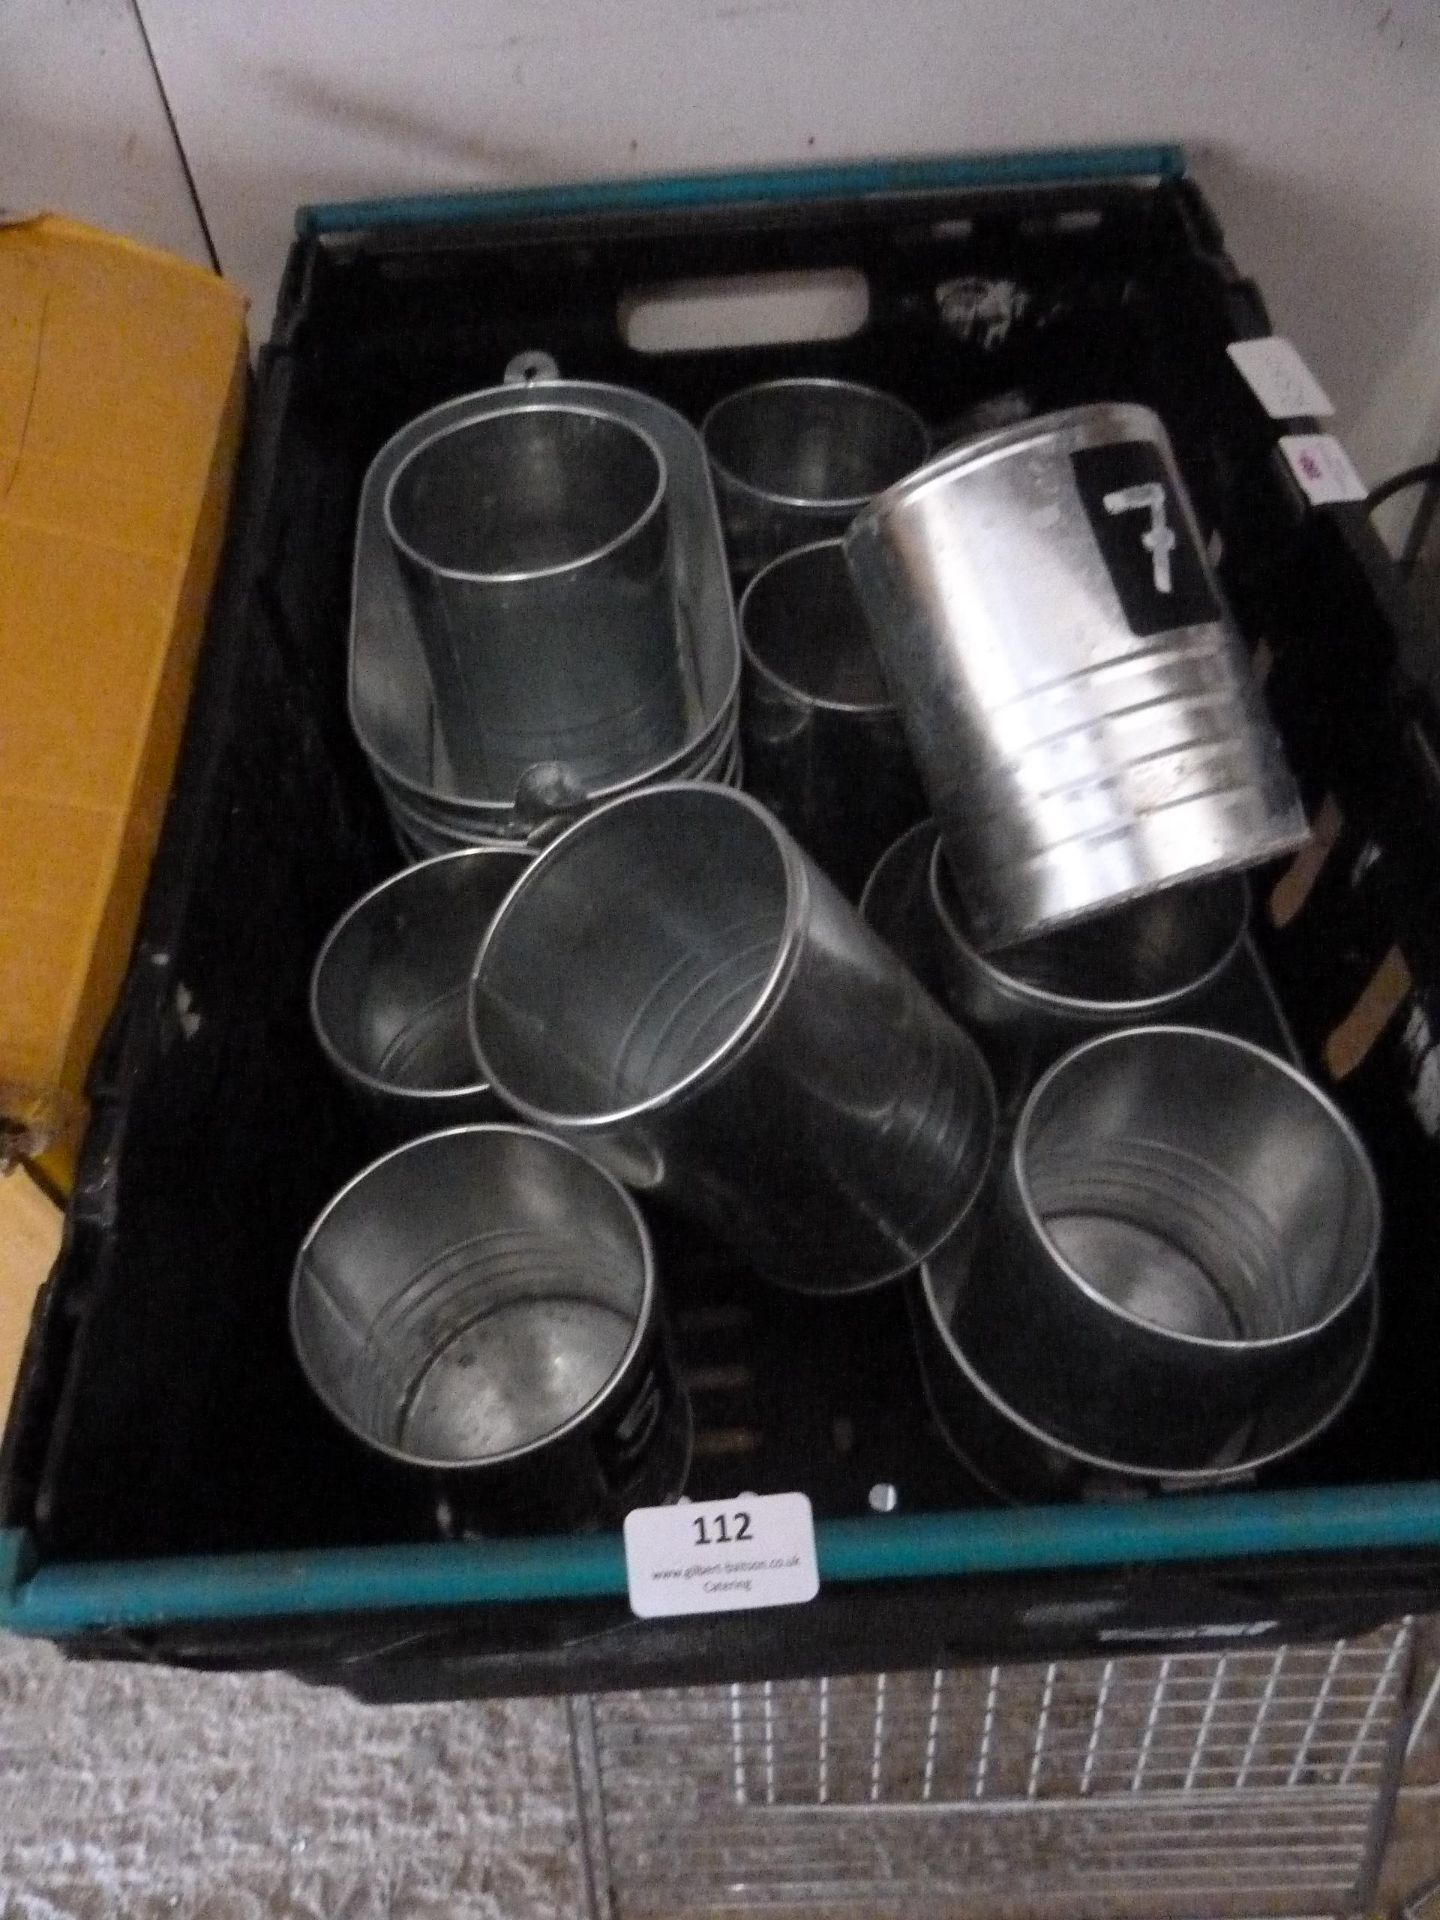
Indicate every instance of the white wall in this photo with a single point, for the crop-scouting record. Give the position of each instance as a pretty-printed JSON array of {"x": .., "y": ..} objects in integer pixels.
[
  {"x": 82, "y": 127},
  {"x": 1314, "y": 124}
]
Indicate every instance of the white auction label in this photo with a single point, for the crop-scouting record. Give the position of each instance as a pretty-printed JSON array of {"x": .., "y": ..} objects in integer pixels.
[
  {"x": 718, "y": 1556},
  {"x": 1279, "y": 378},
  {"x": 1323, "y": 468}
]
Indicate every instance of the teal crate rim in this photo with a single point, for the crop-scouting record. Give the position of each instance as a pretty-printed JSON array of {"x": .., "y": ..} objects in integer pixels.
[
  {"x": 667, "y": 192},
  {"x": 55, "y": 1601}
]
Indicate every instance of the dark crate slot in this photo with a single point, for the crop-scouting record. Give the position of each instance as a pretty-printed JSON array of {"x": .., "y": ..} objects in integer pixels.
[{"x": 162, "y": 1412}]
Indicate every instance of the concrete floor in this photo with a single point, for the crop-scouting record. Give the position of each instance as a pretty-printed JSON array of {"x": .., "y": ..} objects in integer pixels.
[{"x": 155, "y": 1795}]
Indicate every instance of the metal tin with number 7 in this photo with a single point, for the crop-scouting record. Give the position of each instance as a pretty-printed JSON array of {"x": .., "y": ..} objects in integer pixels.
[{"x": 1076, "y": 696}]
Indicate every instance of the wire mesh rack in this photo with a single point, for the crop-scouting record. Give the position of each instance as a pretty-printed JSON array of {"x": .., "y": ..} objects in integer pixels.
[{"x": 1172, "y": 1784}]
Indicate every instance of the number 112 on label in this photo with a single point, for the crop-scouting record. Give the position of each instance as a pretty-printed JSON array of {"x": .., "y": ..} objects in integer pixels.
[{"x": 721, "y": 1529}]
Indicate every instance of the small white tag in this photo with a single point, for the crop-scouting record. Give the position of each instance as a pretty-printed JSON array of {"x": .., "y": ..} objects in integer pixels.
[
  {"x": 1279, "y": 378},
  {"x": 718, "y": 1556},
  {"x": 1323, "y": 468}
]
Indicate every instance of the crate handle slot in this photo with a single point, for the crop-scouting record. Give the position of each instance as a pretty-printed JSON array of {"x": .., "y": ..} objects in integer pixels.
[{"x": 744, "y": 310}]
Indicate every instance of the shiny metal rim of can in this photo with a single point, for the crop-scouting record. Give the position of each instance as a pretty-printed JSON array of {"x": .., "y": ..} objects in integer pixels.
[
  {"x": 1274, "y": 846},
  {"x": 456, "y": 820},
  {"x": 1079, "y": 1006},
  {"x": 1238, "y": 1468},
  {"x": 990, "y": 1116},
  {"x": 1133, "y": 421},
  {"x": 1209, "y": 1036},
  {"x": 444, "y": 834},
  {"x": 420, "y": 1097},
  {"x": 903, "y": 855},
  {"x": 514, "y": 576},
  {"x": 799, "y": 696},
  {"x": 788, "y": 946},
  {"x": 490, "y": 815},
  {"x": 431, "y": 843},
  {"x": 644, "y": 1312},
  {"x": 805, "y": 503},
  {"x": 470, "y": 823}
]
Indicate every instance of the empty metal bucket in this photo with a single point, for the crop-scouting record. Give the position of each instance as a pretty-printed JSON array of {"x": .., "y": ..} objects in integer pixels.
[
  {"x": 1078, "y": 702},
  {"x": 795, "y": 460},
  {"x": 535, "y": 544},
  {"x": 824, "y": 748},
  {"x": 896, "y": 903},
  {"x": 675, "y": 985},
  {"x": 1182, "y": 1219},
  {"x": 1016, "y": 1460},
  {"x": 1149, "y": 961},
  {"x": 392, "y": 695},
  {"x": 389, "y": 993},
  {"x": 481, "y": 1304}
]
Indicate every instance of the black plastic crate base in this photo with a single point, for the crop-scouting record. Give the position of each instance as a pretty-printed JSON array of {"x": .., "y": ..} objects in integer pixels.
[{"x": 172, "y": 1491}]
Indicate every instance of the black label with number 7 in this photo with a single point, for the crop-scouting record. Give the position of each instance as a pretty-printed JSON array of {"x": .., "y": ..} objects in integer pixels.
[{"x": 1144, "y": 537}]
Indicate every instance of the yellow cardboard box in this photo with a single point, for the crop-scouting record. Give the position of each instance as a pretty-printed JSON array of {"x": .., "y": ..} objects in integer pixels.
[
  {"x": 122, "y": 390},
  {"x": 30, "y": 1225}
]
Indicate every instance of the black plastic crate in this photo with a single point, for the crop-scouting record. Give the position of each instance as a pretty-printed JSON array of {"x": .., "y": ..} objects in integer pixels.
[{"x": 172, "y": 1491}]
